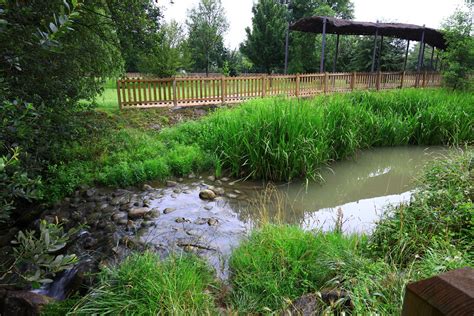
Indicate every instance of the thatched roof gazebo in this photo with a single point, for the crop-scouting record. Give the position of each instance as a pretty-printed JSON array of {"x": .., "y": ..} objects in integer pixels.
[{"x": 329, "y": 25}]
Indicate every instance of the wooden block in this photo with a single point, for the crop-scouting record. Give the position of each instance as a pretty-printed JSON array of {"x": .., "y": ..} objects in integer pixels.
[{"x": 451, "y": 293}]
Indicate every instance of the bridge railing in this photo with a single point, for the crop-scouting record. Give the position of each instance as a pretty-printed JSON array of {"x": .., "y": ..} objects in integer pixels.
[{"x": 143, "y": 93}]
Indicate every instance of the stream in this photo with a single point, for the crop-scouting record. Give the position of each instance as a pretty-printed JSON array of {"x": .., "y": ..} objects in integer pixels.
[{"x": 172, "y": 217}]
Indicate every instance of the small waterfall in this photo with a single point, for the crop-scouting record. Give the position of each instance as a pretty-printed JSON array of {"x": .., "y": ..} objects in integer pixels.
[{"x": 59, "y": 288}]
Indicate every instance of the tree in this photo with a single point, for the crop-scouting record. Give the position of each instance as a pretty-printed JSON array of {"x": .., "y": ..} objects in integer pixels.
[
  {"x": 392, "y": 55},
  {"x": 168, "y": 54},
  {"x": 265, "y": 42},
  {"x": 54, "y": 53},
  {"x": 458, "y": 59},
  {"x": 137, "y": 24},
  {"x": 207, "y": 25}
]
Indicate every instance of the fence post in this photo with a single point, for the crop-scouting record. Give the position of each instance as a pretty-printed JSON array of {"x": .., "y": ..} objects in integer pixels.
[
  {"x": 119, "y": 87},
  {"x": 297, "y": 88},
  {"x": 424, "y": 79},
  {"x": 326, "y": 80},
  {"x": 377, "y": 83},
  {"x": 353, "y": 79},
  {"x": 402, "y": 80},
  {"x": 264, "y": 86},
  {"x": 175, "y": 97},
  {"x": 223, "y": 89}
]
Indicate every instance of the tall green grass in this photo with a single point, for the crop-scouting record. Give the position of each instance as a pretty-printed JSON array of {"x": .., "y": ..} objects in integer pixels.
[
  {"x": 280, "y": 263},
  {"x": 281, "y": 139},
  {"x": 144, "y": 285}
]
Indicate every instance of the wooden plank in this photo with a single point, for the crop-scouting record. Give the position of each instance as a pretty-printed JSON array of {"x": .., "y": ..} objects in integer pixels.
[
  {"x": 451, "y": 293},
  {"x": 119, "y": 99}
]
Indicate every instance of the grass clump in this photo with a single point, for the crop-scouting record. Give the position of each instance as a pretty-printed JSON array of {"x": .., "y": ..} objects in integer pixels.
[
  {"x": 280, "y": 263},
  {"x": 144, "y": 285}
]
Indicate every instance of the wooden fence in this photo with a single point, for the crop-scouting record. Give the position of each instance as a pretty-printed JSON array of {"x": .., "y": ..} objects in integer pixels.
[{"x": 143, "y": 93}]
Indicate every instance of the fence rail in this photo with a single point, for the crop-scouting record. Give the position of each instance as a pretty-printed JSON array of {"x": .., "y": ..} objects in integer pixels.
[{"x": 143, "y": 93}]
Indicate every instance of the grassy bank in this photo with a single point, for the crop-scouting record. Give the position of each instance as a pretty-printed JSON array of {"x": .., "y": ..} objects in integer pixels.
[
  {"x": 277, "y": 264},
  {"x": 277, "y": 139},
  {"x": 281, "y": 139}
]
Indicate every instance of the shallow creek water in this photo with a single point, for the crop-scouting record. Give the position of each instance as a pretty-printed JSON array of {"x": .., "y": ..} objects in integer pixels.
[{"x": 359, "y": 189}]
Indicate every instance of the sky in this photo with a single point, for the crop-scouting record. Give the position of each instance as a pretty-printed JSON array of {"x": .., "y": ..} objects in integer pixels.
[{"x": 239, "y": 13}]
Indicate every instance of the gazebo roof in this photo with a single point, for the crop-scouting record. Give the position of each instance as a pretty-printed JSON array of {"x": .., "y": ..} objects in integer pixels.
[{"x": 412, "y": 32}]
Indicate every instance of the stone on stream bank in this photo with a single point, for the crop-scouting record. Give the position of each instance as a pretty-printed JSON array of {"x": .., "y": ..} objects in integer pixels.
[
  {"x": 138, "y": 212},
  {"x": 207, "y": 195}
]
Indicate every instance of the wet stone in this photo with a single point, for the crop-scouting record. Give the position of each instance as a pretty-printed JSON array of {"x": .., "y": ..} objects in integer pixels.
[
  {"x": 208, "y": 207},
  {"x": 147, "y": 187},
  {"x": 180, "y": 179},
  {"x": 211, "y": 178},
  {"x": 174, "y": 196},
  {"x": 237, "y": 192},
  {"x": 138, "y": 212},
  {"x": 118, "y": 216},
  {"x": 231, "y": 195},
  {"x": 201, "y": 221},
  {"x": 207, "y": 195},
  {"x": 171, "y": 183},
  {"x": 212, "y": 222},
  {"x": 177, "y": 191},
  {"x": 181, "y": 220},
  {"x": 168, "y": 210},
  {"x": 186, "y": 192},
  {"x": 224, "y": 179},
  {"x": 219, "y": 191}
]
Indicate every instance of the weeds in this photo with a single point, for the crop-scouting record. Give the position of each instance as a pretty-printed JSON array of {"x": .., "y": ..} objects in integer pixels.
[{"x": 144, "y": 285}]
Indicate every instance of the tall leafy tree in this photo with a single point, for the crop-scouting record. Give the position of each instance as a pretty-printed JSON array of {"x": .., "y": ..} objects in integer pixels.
[
  {"x": 137, "y": 24},
  {"x": 207, "y": 25},
  {"x": 168, "y": 54},
  {"x": 458, "y": 59},
  {"x": 265, "y": 42}
]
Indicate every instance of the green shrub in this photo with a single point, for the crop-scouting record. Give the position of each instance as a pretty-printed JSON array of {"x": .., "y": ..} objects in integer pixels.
[
  {"x": 280, "y": 263},
  {"x": 144, "y": 285}
]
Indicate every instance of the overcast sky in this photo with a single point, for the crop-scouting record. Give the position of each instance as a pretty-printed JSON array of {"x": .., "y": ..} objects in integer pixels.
[{"x": 239, "y": 13}]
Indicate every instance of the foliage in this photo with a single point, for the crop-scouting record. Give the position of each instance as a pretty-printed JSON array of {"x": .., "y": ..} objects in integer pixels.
[
  {"x": 121, "y": 158},
  {"x": 15, "y": 185},
  {"x": 280, "y": 263},
  {"x": 145, "y": 285},
  {"x": 296, "y": 137},
  {"x": 137, "y": 24},
  {"x": 393, "y": 52},
  {"x": 458, "y": 59},
  {"x": 265, "y": 42},
  {"x": 36, "y": 257},
  {"x": 441, "y": 210},
  {"x": 207, "y": 25},
  {"x": 55, "y": 53},
  {"x": 168, "y": 54}
]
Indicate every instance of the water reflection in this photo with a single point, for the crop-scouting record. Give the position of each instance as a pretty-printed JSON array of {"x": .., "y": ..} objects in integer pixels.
[{"x": 361, "y": 187}]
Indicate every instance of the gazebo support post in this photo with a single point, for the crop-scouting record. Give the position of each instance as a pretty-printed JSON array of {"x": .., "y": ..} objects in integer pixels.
[
  {"x": 375, "y": 50},
  {"x": 286, "y": 47},
  {"x": 337, "y": 53},
  {"x": 432, "y": 57},
  {"x": 321, "y": 65},
  {"x": 421, "y": 51},
  {"x": 436, "y": 62},
  {"x": 379, "y": 59},
  {"x": 406, "y": 56}
]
